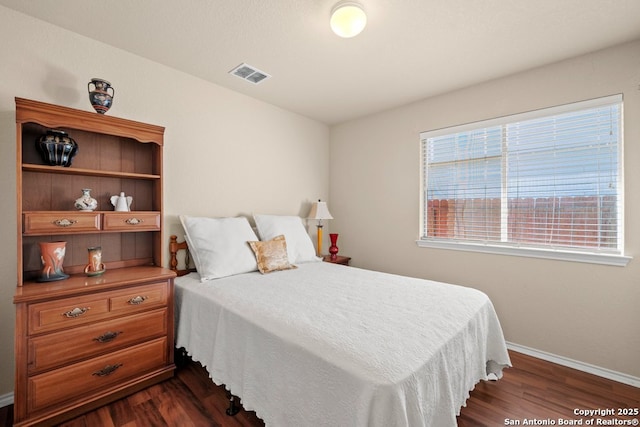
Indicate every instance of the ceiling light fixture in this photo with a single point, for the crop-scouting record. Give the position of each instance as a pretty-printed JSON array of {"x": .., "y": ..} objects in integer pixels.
[{"x": 348, "y": 19}]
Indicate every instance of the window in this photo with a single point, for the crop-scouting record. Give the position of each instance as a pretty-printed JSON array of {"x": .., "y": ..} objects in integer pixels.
[{"x": 546, "y": 183}]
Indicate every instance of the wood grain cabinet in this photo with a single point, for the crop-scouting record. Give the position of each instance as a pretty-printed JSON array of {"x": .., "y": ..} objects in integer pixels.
[{"x": 86, "y": 340}]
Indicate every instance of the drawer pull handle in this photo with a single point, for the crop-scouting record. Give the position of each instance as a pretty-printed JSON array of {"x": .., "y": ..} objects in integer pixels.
[
  {"x": 107, "y": 370},
  {"x": 133, "y": 221},
  {"x": 137, "y": 300},
  {"x": 107, "y": 336},
  {"x": 64, "y": 222},
  {"x": 76, "y": 312}
]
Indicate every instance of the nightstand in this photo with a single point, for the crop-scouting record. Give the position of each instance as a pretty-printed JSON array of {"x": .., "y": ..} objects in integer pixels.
[{"x": 344, "y": 260}]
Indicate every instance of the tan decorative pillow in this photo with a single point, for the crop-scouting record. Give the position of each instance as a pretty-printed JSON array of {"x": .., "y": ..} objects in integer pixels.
[{"x": 272, "y": 255}]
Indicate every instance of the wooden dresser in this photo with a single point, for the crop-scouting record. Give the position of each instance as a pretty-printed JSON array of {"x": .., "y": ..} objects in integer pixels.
[{"x": 83, "y": 341}]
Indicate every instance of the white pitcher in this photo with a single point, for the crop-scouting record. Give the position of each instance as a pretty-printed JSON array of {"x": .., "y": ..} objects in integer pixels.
[{"x": 122, "y": 203}]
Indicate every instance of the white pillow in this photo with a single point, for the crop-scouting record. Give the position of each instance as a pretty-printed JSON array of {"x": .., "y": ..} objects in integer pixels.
[
  {"x": 219, "y": 245},
  {"x": 299, "y": 245}
]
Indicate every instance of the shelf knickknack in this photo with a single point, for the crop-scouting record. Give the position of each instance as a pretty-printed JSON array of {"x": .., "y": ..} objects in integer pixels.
[
  {"x": 57, "y": 148},
  {"x": 95, "y": 267},
  {"x": 121, "y": 203},
  {"x": 86, "y": 202},
  {"x": 52, "y": 256},
  {"x": 100, "y": 97}
]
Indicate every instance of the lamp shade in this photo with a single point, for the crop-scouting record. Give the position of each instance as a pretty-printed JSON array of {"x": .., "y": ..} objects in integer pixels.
[
  {"x": 348, "y": 19},
  {"x": 319, "y": 210}
]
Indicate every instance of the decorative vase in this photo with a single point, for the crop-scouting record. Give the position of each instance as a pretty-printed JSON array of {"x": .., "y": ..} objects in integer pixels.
[
  {"x": 52, "y": 256},
  {"x": 100, "y": 97},
  {"x": 95, "y": 266},
  {"x": 86, "y": 202},
  {"x": 121, "y": 203},
  {"x": 57, "y": 148},
  {"x": 333, "y": 249}
]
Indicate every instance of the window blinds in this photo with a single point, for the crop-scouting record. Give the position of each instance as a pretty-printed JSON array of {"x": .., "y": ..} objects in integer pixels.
[{"x": 547, "y": 178}]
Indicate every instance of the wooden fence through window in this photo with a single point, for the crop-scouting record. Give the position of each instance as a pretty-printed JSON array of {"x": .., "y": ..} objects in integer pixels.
[{"x": 581, "y": 221}]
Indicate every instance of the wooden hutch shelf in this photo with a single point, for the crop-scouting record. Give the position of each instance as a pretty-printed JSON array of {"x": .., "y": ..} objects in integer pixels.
[
  {"x": 84, "y": 341},
  {"x": 86, "y": 172}
]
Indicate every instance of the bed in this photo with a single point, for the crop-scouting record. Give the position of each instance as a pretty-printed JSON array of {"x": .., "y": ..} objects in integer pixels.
[{"x": 321, "y": 344}]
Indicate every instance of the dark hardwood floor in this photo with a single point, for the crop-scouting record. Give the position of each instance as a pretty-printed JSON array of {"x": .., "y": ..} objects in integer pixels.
[{"x": 532, "y": 389}]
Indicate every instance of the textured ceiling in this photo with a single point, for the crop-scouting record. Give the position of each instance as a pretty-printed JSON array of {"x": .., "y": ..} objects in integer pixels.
[{"x": 410, "y": 49}]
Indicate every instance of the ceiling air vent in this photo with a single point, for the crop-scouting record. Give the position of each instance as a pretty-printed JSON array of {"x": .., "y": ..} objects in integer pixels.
[{"x": 249, "y": 73}]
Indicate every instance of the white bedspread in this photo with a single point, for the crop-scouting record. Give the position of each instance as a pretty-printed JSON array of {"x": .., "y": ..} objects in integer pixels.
[{"x": 329, "y": 345}]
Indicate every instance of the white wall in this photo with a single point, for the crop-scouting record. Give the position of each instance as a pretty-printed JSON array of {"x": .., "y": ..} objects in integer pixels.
[
  {"x": 226, "y": 154},
  {"x": 584, "y": 312},
  {"x": 250, "y": 156}
]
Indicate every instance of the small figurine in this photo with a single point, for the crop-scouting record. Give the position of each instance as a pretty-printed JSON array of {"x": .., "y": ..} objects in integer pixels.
[
  {"x": 122, "y": 203},
  {"x": 95, "y": 266}
]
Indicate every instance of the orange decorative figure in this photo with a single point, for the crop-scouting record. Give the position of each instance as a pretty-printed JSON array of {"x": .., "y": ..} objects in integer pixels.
[
  {"x": 52, "y": 256},
  {"x": 95, "y": 266}
]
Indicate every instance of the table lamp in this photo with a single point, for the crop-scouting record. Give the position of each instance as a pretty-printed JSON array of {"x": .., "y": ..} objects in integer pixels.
[{"x": 319, "y": 211}]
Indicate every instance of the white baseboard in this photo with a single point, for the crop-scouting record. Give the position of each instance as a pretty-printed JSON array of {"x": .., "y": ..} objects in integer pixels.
[
  {"x": 6, "y": 400},
  {"x": 576, "y": 364}
]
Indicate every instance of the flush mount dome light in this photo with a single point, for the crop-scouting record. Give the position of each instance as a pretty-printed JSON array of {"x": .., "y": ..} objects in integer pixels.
[{"x": 348, "y": 19}]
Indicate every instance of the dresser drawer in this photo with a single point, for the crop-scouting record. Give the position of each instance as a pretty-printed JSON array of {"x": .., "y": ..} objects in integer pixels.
[
  {"x": 69, "y": 312},
  {"x": 60, "y": 222},
  {"x": 95, "y": 375},
  {"x": 139, "y": 298},
  {"x": 46, "y": 352},
  {"x": 131, "y": 221}
]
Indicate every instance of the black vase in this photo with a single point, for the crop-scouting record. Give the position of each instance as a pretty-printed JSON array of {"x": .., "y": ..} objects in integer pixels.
[{"x": 57, "y": 148}]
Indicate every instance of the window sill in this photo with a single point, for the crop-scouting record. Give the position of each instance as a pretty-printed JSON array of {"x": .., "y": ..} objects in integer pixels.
[{"x": 555, "y": 254}]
